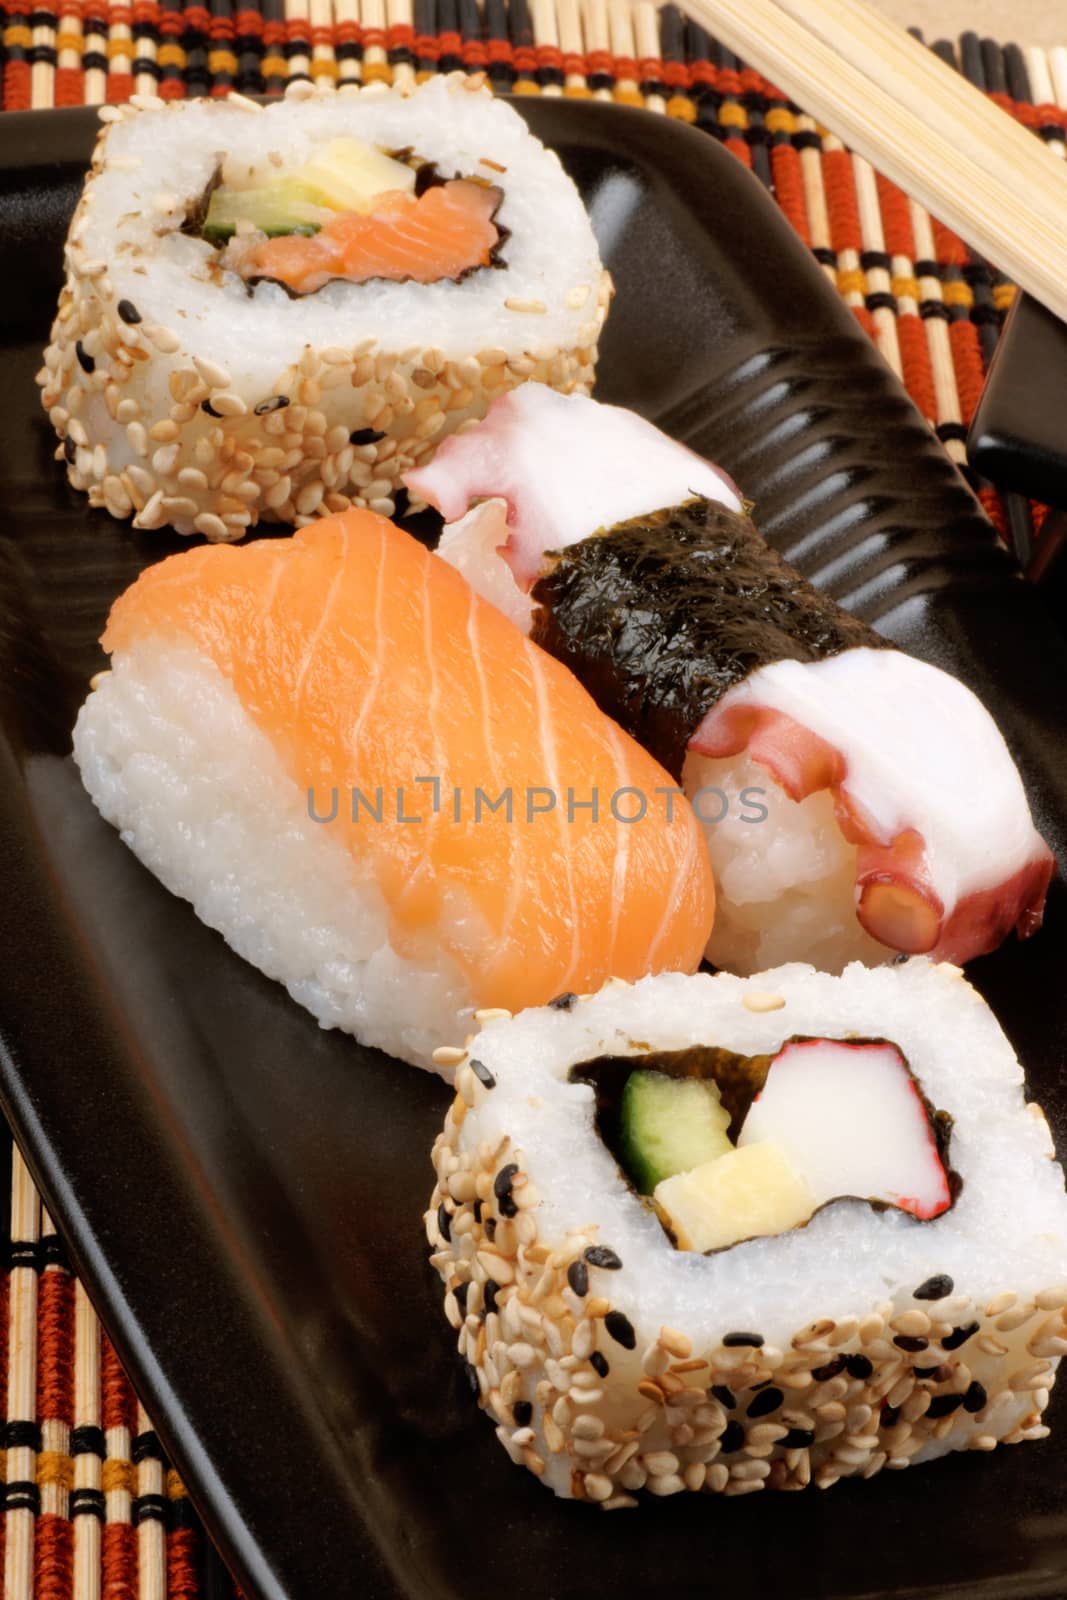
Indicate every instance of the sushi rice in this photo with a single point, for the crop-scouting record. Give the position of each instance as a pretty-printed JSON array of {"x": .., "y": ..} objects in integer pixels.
[{"x": 611, "y": 1361}]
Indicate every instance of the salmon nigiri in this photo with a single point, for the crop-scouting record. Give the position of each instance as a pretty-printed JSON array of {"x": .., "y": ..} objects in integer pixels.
[{"x": 380, "y": 791}]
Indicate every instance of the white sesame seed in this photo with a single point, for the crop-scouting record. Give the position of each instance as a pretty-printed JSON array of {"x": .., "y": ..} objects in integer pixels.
[
  {"x": 211, "y": 527},
  {"x": 241, "y": 102},
  {"x": 761, "y": 1000},
  {"x": 179, "y": 506},
  {"x": 163, "y": 338},
  {"x": 911, "y": 1324},
  {"x": 214, "y": 376},
  {"x": 228, "y": 404},
  {"x": 309, "y": 498},
  {"x": 598, "y": 1487},
  {"x": 1015, "y": 1319},
  {"x": 152, "y": 515},
  {"x": 138, "y": 437},
  {"x": 586, "y": 1397}
]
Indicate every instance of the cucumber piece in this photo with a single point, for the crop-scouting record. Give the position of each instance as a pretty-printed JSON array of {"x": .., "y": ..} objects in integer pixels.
[
  {"x": 348, "y": 175},
  {"x": 286, "y": 207},
  {"x": 670, "y": 1125}
]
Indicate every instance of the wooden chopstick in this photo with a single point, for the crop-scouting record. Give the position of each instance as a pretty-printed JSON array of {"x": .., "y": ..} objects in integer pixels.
[{"x": 916, "y": 120}]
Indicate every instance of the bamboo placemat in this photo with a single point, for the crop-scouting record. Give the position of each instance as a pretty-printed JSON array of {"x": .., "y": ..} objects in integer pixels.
[{"x": 92, "y": 1510}]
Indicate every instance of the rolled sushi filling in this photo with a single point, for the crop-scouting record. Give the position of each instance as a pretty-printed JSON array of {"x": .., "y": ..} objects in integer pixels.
[
  {"x": 728, "y": 1147},
  {"x": 353, "y": 212}
]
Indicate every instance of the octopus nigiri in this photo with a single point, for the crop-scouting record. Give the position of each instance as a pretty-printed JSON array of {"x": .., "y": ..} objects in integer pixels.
[{"x": 857, "y": 802}]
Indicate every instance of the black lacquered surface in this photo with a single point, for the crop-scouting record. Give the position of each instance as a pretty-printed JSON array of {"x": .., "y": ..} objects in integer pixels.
[
  {"x": 243, "y": 1192},
  {"x": 1019, "y": 435}
]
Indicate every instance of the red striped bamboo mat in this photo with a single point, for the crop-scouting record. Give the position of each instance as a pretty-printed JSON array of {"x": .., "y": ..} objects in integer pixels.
[{"x": 92, "y": 1510}]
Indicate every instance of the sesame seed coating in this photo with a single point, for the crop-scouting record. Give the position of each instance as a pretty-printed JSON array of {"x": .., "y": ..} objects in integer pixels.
[{"x": 874, "y": 1391}]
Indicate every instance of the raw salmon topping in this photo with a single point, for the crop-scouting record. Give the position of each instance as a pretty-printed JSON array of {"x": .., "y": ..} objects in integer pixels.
[
  {"x": 371, "y": 665},
  {"x": 446, "y": 231}
]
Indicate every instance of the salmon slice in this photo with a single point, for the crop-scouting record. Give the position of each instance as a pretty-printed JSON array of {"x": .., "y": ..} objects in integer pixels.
[
  {"x": 370, "y": 664},
  {"x": 446, "y": 231}
]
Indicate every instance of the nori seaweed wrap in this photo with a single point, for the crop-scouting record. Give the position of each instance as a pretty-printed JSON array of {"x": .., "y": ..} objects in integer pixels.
[{"x": 661, "y": 615}]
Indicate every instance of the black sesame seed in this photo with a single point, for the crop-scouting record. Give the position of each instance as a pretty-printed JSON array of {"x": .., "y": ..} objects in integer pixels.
[
  {"x": 732, "y": 1340},
  {"x": 128, "y": 312},
  {"x": 477, "y": 1208},
  {"x": 767, "y": 1400},
  {"x": 621, "y": 1329},
  {"x": 911, "y": 1342},
  {"x": 798, "y": 1439},
  {"x": 724, "y": 1396},
  {"x": 364, "y": 435},
  {"x": 890, "y": 1416},
  {"x": 830, "y": 1370},
  {"x": 461, "y": 1291},
  {"x": 489, "y": 1294},
  {"x": 522, "y": 1411},
  {"x": 482, "y": 1073},
  {"x": 943, "y": 1405},
  {"x": 401, "y": 503},
  {"x": 578, "y": 1278},
  {"x": 927, "y": 1374},
  {"x": 564, "y": 1002},
  {"x": 731, "y": 1438},
  {"x": 598, "y": 1255},
  {"x": 858, "y": 1366},
  {"x": 70, "y": 450},
  {"x": 505, "y": 1204},
  {"x": 85, "y": 361},
  {"x": 975, "y": 1398},
  {"x": 490, "y": 1229},
  {"x": 472, "y": 1377},
  {"x": 444, "y": 1222},
  {"x": 958, "y": 1336},
  {"x": 205, "y": 405},
  {"x": 274, "y": 403},
  {"x": 599, "y": 1364},
  {"x": 935, "y": 1288}
]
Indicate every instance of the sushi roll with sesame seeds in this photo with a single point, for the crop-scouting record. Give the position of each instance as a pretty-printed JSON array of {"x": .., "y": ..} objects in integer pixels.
[
  {"x": 729, "y": 1234},
  {"x": 273, "y": 312}
]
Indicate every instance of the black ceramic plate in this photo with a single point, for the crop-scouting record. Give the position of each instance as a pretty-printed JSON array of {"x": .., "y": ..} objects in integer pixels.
[
  {"x": 1018, "y": 439},
  {"x": 242, "y": 1192}
]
